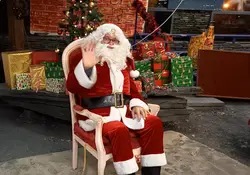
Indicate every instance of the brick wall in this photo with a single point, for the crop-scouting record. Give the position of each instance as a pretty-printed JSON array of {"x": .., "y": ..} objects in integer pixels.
[
  {"x": 190, "y": 22},
  {"x": 46, "y": 14}
]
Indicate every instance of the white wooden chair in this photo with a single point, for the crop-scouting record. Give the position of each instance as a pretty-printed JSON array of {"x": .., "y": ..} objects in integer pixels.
[{"x": 93, "y": 142}]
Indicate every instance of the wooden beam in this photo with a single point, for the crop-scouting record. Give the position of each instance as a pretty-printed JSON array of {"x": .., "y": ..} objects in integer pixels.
[{"x": 15, "y": 28}]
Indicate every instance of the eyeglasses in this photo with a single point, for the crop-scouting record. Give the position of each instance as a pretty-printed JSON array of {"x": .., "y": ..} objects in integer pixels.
[{"x": 108, "y": 40}]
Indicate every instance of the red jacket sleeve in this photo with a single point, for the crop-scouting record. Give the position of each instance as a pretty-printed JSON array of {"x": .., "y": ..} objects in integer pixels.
[{"x": 72, "y": 84}]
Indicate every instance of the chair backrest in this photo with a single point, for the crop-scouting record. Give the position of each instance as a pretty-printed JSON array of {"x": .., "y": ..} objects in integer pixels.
[{"x": 69, "y": 53}]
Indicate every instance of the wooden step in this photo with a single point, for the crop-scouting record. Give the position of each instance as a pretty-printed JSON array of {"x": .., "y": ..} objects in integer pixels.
[
  {"x": 175, "y": 91},
  {"x": 169, "y": 102}
]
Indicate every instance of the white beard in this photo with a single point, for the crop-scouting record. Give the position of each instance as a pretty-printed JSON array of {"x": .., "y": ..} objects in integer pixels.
[{"x": 116, "y": 56}]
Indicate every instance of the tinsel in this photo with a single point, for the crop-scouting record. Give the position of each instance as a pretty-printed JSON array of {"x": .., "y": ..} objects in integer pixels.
[{"x": 149, "y": 19}]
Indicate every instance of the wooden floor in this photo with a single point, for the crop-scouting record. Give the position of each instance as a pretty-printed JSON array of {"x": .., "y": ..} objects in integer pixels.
[{"x": 57, "y": 105}]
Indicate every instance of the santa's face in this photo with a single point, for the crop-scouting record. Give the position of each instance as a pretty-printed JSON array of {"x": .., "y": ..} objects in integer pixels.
[
  {"x": 109, "y": 49},
  {"x": 110, "y": 41}
]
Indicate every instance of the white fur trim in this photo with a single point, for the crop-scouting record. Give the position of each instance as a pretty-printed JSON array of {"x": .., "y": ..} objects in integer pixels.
[
  {"x": 99, "y": 33},
  {"x": 134, "y": 73},
  {"x": 126, "y": 167},
  {"x": 153, "y": 160},
  {"x": 87, "y": 125},
  {"x": 82, "y": 78},
  {"x": 137, "y": 102}
]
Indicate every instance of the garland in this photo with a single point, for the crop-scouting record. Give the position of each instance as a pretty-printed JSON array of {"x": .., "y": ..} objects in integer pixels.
[{"x": 148, "y": 18}]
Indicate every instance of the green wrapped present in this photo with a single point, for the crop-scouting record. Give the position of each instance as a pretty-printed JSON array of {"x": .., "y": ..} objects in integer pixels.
[
  {"x": 56, "y": 85},
  {"x": 53, "y": 69},
  {"x": 148, "y": 81},
  {"x": 143, "y": 66},
  {"x": 23, "y": 81},
  {"x": 182, "y": 71}
]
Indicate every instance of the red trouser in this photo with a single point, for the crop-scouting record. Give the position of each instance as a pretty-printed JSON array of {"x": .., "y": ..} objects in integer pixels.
[{"x": 150, "y": 139}]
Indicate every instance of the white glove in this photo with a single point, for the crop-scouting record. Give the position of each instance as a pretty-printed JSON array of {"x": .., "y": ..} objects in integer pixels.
[{"x": 87, "y": 125}]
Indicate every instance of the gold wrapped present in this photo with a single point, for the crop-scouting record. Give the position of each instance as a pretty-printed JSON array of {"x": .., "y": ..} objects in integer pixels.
[
  {"x": 15, "y": 63},
  {"x": 203, "y": 41},
  {"x": 37, "y": 73},
  {"x": 196, "y": 43}
]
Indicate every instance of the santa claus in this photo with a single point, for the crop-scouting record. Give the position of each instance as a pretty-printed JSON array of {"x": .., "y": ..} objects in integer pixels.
[{"x": 104, "y": 79}]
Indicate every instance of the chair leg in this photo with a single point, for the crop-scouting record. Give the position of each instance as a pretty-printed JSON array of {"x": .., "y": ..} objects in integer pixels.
[
  {"x": 84, "y": 158},
  {"x": 101, "y": 166},
  {"x": 74, "y": 153}
]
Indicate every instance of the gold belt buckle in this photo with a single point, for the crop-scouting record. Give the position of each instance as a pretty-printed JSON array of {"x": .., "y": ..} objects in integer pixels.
[{"x": 119, "y": 100}]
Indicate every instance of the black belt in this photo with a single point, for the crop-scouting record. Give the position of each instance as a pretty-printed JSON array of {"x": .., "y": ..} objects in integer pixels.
[{"x": 117, "y": 100}]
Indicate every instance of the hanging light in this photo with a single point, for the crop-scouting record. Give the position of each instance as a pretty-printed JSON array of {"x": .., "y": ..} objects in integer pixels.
[{"x": 226, "y": 5}]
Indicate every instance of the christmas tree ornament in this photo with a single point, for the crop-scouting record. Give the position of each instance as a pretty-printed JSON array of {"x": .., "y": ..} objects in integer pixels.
[
  {"x": 59, "y": 32},
  {"x": 79, "y": 25},
  {"x": 57, "y": 50},
  {"x": 91, "y": 4},
  {"x": 67, "y": 13}
]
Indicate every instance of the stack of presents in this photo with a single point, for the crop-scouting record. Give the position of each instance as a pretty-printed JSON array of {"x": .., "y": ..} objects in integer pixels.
[
  {"x": 161, "y": 69},
  {"x": 27, "y": 70}
]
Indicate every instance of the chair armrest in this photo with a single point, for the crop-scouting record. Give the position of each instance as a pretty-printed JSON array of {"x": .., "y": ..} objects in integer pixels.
[
  {"x": 154, "y": 108},
  {"x": 98, "y": 134},
  {"x": 84, "y": 112}
]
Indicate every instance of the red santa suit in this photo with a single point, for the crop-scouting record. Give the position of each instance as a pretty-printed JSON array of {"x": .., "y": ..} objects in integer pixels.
[{"x": 105, "y": 80}]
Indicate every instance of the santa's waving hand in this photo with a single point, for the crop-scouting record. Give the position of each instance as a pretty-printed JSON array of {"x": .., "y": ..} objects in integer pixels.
[{"x": 104, "y": 79}]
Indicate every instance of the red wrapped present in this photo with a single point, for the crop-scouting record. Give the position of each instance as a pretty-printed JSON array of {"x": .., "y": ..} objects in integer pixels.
[
  {"x": 160, "y": 63},
  {"x": 159, "y": 47},
  {"x": 161, "y": 78},
  {"x": 136, "y": 55},
  {"x": 146, "y": 49},
  {"x": 41, "y": 56},
  {"x": 138, "y": 85}
]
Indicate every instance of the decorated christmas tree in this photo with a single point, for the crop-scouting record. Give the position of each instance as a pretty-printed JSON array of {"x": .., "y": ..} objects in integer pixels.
[{"x": 81, "y": 18}]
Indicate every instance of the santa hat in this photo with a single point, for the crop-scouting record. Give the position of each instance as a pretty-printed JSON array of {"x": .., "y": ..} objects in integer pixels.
[{"x": 133, "y": 73}]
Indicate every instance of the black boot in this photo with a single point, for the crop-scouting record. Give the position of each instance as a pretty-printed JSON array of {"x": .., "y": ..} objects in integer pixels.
[{"x": 151, "y": 170}]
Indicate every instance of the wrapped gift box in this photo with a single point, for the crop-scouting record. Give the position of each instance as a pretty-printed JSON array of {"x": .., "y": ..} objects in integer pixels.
[
  {"x": 138, "y": 85},
  {"x": 196, "y": 43},
  {"x": 23, "y": 81},
  {"x": 161, "y": 78},
  {"x": 37, "y": 73},
  {"x": 53, "y": 69},
  {"x": 146, "y": 49},
  {"x": 159, "y": 47},
  {"x": 14, "y": 63},
  {"x": 143, "y": 65},
  {"x": 148, "y": 81},
  {"x": 160, "y": 62},
  {"x": 182, "y": 71},
  {"x": 56, "y": 85},
  {"x": 172, "y": 55},
  {"x": 41, "y": 56}
]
